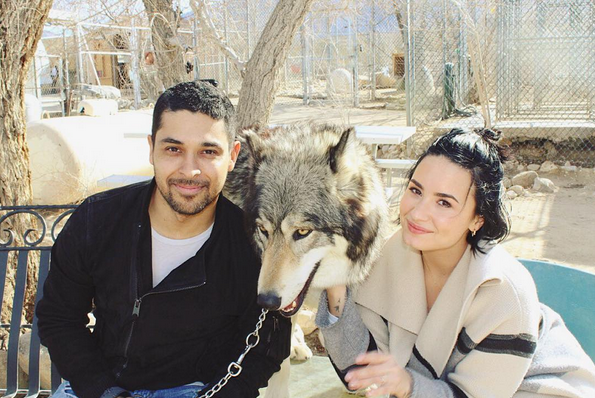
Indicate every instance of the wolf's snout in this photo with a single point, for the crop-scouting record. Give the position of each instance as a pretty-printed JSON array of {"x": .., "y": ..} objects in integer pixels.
[{"x": 270, "y": 301}]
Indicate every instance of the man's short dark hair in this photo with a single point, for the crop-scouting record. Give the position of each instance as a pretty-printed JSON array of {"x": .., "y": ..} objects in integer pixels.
[{"x": 198, "y": 96}]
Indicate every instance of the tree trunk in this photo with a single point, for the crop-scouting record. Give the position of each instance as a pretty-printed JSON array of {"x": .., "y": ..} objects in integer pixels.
[
  {"x": 260, "y": 83},
  {"x": 169, "y": 55},
  {"x": 21, "y": 25}
]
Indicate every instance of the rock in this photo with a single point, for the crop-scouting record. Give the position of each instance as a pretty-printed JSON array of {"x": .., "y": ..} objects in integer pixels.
[
  {"x": 384, "y": 80},
  {"x": 305, "y": 318},
  {"x": 544, "y": 185},
  {"x": 511, "y": 194},
  {"x": 548, "y": 166},
  {"x": 533, "y": 167},
  {"x": 506, "y": 182},
  {"x": 569, "y": 168},
  {"x": 517, "y": 189},
  {"x": 44, "y": 360},
  {"x": 340, "y": 81},
  {"x": 520, "y": 167},
  {"x": 524, "y": 179}
]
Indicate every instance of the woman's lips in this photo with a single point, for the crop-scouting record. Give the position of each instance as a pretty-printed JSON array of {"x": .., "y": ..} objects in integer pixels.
[{"x": 416, "y": 229}]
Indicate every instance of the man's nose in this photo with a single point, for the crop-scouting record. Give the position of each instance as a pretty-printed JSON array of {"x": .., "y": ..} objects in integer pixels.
[{"x": 190, "y": 167}]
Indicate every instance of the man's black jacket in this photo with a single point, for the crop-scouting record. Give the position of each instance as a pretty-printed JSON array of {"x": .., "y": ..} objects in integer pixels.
[{"x": 188, "y": 328}]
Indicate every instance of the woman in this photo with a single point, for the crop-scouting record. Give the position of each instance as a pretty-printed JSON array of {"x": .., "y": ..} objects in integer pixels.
[{"x": 446, "y": 311}]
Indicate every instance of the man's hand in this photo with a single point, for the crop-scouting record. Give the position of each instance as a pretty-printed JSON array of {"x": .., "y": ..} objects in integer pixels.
[{"x": 381, "y": 374}]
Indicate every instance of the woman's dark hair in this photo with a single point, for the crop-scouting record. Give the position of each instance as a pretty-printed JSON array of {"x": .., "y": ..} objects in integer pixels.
[{"x": 479, "y": 152}]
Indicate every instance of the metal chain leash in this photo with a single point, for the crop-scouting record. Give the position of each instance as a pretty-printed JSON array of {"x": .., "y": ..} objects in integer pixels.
[{"x": 235, "y": 368}]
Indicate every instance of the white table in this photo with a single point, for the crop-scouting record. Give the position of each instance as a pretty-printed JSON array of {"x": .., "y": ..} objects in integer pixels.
[{"x": 378, "y": 135}]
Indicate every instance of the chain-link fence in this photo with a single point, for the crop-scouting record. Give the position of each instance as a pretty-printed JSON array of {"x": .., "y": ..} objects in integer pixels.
[{"x": 525, "y": 67}]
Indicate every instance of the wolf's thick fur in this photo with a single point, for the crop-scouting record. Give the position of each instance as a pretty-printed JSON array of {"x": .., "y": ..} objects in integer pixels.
[{"x": 315, "y": 206}]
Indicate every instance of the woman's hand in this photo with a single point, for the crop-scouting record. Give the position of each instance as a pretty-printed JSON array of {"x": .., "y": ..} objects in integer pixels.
[
  {"x": 381, "y": 373},
  {"x": 336, "y": 299}
]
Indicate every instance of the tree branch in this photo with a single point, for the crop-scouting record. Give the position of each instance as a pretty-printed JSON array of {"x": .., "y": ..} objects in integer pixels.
[{"x": 204, "y": 16}]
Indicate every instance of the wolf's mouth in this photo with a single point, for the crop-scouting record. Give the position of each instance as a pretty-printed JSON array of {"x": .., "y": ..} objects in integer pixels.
[{"x": 295, "y": 305}]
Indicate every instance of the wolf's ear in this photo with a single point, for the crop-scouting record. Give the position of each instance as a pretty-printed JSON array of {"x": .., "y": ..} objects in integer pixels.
[
  {"x": 335, "y": 152},
  {"x": 255, "y": 146}
]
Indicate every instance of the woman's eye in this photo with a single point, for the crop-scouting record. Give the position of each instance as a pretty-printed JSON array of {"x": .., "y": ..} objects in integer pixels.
[
  {"x": 444, "y": 203},
  {"x": 415, "y": 191},
  {"x": 301, "y": 233}
]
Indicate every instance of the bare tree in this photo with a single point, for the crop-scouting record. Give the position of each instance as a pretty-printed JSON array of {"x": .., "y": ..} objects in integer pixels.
[
  {"x": 261, "y": 72},
  {"x": 169, "y": 54},
  {"x": 21, "y": 25}
]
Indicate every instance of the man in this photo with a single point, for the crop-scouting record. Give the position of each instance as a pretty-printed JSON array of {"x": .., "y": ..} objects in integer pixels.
[{"x": 168, "y": 268}]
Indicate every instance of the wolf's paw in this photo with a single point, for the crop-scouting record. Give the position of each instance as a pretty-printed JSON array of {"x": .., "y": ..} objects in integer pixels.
[{"x": 299, "y": 349}]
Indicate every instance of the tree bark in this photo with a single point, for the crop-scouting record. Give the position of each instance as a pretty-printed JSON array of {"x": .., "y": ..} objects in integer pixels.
[
  {"x": 259, "y": 87},
  {"x": 21, "y": 26},
  {"x": 169, "y": 54}
]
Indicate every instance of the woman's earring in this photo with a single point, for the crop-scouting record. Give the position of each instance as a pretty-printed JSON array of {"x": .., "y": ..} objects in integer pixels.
[{"x": 473, "y": 232}]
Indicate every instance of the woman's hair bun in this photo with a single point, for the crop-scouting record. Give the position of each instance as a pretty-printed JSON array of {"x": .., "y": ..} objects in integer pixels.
[{"x": 492, "y": 136}]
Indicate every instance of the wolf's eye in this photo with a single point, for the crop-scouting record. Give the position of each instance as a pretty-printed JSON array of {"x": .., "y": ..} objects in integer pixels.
[
  {"x": 301, "y": 233},
  {"x": 263, "y": 230}
]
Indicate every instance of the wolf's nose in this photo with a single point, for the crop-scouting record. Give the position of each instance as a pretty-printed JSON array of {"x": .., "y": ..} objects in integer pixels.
[{"x": 269, "y": 301}]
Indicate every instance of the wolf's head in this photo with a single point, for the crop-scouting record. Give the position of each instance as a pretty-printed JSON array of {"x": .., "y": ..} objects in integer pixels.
[{"x": 315, "y": 206}]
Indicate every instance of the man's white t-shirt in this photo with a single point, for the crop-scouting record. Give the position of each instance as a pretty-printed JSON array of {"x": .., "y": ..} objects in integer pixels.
[{"x": 168, "y": 253}]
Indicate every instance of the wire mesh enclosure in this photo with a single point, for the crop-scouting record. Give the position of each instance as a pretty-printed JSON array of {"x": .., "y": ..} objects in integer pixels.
[{"x": 525, "y": 67}]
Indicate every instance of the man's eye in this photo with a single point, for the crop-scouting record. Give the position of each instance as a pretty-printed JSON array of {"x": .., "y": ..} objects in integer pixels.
[
  {"x": 209, "y": 152},
  {"x": 172, "y": 149}
]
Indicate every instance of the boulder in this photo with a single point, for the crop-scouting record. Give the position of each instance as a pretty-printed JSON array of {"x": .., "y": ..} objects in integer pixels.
[
  {"x": 384, "y": 80},
  {"x": 533, "y": 167},
  {"x": 517, "y": 189},
  {"x": 506, "y": 182},
  {"x": 44, "y": 361},
  {"x": 70, "y": 156},
  {"x": 340, "y": 81},
  {"x": 544, "y": 185},
  {"x": 306, "y": 320},
  {"x": 548, "y": 167},
  {"x": 524, "y": 179},
  {"x": 511, "y": 194}
]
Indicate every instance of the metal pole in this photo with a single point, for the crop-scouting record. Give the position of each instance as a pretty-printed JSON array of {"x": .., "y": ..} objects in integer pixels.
[
  {"x": 226, "y": 61},
  {"x": 305, "y": 95},
  {"x": 135, "y": 67},
  {"x": 79, "y": 55},
  {"x": 373, "y": 48},
  {"x": 67, "y": 92},
  {"x": 195, "y": 50},
  {"x": 409, "y": 73},
  {"x": 37, "y": 86},
  {"x": 249, "y": 44},
  {"x": 355, "y": 65}
]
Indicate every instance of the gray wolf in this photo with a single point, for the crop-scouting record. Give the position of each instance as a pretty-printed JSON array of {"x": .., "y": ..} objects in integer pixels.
[{"x": 315, "y": 207}]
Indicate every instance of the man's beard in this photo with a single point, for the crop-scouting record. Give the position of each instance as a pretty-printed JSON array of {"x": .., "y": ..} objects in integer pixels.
[{"x": 191, "y": 206}]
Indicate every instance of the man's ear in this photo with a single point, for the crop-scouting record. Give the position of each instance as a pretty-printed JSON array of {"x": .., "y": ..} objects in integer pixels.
[
  {"x": 151, "y": 148},
  {"x": 235, "y": 151}
]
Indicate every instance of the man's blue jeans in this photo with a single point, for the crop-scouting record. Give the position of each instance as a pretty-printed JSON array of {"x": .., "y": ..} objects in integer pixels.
[{"x": 186, "y": 391}]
